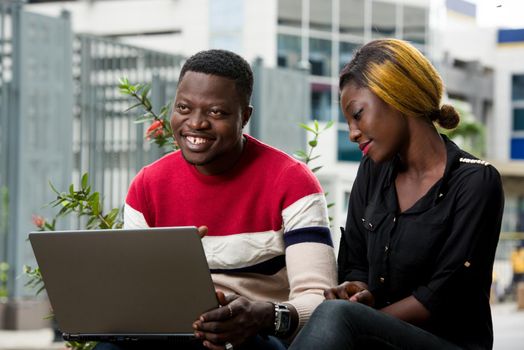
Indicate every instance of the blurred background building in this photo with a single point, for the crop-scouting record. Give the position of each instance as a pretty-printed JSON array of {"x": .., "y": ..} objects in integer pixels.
[{"x": 297, "y": 48}]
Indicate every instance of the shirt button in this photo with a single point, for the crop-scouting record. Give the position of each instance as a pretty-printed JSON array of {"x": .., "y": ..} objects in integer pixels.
[
  {"x": 394, "y": 219},
  {"x": 381, "y": 279},
  {"x": 386, "y": 248}
]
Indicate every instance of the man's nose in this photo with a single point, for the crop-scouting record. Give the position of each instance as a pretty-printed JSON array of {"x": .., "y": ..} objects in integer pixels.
[{"x": 198, "y": 120}]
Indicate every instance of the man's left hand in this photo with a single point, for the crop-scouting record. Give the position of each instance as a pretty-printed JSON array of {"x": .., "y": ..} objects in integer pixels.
[{"x": 237, "y": 320}]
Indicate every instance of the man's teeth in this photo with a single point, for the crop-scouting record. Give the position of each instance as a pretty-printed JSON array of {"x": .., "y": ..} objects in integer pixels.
[{"x": 196, "y": 140}]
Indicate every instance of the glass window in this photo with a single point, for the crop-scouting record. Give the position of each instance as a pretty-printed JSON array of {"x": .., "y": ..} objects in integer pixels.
[
  {"x": 321, "y": 101},
  {"x": 346, "y": 53},
  {"x": 320, "y": 56},
  {"x": 346, "y": 149},
  {"x": 320, "y": 15},
  {"x": 517, "y": 87},
  {"x": 352, "y": 17},
  {"x": 383, "y": 19},
  {"x": 414, "y": 24},
  {"x": 518, "y": 119},
  {"x": 289, "y": 51},
  {"x": 290, "y": 13},
  {"x": 517, "y": 148}
]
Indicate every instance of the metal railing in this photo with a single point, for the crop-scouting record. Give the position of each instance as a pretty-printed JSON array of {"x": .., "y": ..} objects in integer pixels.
[{"x": 107, "y": 143}]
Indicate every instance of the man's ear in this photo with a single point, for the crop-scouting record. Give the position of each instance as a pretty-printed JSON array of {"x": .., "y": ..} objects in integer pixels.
[{"x": 246, "y": 115}]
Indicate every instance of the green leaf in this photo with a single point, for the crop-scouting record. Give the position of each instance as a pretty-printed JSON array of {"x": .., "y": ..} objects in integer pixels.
[
  {"x": 328, "y": 125},
  {"x": 95, "y": 205},
  {"x": 133, "y": 106},
  {"x": 315, "y": 122},
  {"x": 145, "y": 91},
  {"x": 84, "y": 181},
  {"x": 300, "y": 155},
  {"x": 307, "y": 127},
  {"x": 144, "y": 118},
  {"x": 53, "y": 188},
  {"x": 316, "y": 169},
  {"x": 313, "y": 143}
]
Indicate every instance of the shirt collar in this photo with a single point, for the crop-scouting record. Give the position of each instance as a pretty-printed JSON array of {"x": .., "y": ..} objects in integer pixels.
[{"x": 439, "y": 190}]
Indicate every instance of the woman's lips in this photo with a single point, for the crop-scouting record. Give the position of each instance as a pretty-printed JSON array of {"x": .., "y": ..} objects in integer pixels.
[{"x": 364, "y": 147}]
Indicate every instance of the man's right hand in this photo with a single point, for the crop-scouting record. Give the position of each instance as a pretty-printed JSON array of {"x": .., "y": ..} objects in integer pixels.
[{"x": 202, "y": 231}]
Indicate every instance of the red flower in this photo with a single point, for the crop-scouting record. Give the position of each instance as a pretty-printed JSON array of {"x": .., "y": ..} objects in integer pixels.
[
  {"x": 38, "y": 221},
  {"x": 155, "y": 130}
]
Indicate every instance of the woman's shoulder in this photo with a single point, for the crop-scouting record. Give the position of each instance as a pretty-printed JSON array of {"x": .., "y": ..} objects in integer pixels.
[{"x": 476, "y": 174}]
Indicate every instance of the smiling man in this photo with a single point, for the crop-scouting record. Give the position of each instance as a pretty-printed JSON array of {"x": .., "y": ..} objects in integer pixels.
[{"x": 268, "y": 244}]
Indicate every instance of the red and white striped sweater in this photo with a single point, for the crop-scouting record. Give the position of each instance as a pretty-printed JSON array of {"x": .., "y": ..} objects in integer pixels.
[{"x": 268, "y": 236}]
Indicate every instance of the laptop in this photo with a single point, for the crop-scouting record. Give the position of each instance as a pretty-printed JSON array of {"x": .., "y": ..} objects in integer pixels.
[{"x": 125, "y": 285}]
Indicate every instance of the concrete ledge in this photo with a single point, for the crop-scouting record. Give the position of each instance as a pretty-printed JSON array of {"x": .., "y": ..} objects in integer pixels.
[{"x": 41, "y": 339}]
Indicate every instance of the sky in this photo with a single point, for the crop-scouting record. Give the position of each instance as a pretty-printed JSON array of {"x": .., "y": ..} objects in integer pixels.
[{"x": 500, "y": 13}]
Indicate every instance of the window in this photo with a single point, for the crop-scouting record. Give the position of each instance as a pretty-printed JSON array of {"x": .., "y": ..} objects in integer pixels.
[
  {"x": 517, "y": 95},
  {"x": 517, "y": 87},
  {"x": 320, "y": 15},
  {"x": 352, "y": 17},
  {"x": 518, "y": 119},
  {"x": 320, "y": 56},
  {"x": 346, "y": 53},
  {"x": 414, "y": 24},
  {"x": 321, "y": 101},
  {"x": 383, "y": 19},
  {"x": 289, "y": 50},
  {"x": 346, "y": 149},
  {"x": 290, "y": 13}
]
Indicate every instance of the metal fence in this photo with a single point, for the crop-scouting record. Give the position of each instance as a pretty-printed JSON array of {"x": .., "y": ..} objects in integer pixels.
[
  {"x": 5, "y": 78},
  {"x": 56, "y": 90},
  {"x": 106, "y": 142}
]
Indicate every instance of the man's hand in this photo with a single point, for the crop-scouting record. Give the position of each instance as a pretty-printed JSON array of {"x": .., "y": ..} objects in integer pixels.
[
  {"x": 351, "y": 291},
  {"x": 237, "y": 320},
  {"x": 202, "y": 231}
]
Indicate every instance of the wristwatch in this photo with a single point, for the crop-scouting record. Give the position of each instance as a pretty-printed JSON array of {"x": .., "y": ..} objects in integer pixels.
[{"x": 282, "y": 319}]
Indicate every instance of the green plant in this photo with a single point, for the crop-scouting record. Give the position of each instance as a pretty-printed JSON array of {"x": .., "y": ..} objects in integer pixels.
[
  {"x": 83, "y": 203},
  {"x": 4, "y": 269},
  {"x": 159, "y": 131},
  {"x": 307, "y": 156}
]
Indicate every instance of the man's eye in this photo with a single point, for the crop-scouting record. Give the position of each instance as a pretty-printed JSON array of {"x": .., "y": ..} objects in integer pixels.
[
  {"x": 181, "y": 107},
  {"x": 215, "y": 112}
]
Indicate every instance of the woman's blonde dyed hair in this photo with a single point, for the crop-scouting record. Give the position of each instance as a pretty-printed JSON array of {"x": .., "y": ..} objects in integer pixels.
[{"x": 401, "y": 76}]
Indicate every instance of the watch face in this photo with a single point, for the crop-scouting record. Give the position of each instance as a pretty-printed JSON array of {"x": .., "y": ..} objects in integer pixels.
[{"x": 285, "y": 320}]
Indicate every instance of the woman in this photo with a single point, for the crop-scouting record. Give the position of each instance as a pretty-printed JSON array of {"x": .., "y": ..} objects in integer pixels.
[{"x": 424, "y": 217}]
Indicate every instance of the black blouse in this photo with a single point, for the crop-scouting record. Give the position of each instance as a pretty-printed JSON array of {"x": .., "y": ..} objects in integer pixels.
[{"x": 441, "y": 250}]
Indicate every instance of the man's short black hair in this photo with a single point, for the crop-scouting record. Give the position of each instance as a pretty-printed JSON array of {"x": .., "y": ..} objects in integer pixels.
[{"x": 225, "y": 64}]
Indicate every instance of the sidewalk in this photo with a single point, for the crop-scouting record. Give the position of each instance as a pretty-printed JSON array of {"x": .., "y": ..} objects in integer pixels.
[{"x": 508, "y": 323}]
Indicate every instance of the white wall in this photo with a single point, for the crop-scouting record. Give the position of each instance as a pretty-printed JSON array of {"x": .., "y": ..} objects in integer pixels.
[
  {"x": 260, "y": 31},
  {"x": 139, "y": 16}
]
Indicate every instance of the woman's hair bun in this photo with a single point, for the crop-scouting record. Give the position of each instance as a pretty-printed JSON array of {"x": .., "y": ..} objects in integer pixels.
[{"x": 448, "y": 117}]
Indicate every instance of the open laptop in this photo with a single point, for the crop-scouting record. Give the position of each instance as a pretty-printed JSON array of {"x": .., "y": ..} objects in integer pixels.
[{"x": 114, "y": 285}]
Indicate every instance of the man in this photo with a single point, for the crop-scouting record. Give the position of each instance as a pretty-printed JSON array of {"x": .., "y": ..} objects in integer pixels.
[{"x": 268, "y": 243}]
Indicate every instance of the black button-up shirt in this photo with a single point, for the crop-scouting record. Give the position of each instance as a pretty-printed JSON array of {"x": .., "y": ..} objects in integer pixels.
[{"x": 441, "y": 250}]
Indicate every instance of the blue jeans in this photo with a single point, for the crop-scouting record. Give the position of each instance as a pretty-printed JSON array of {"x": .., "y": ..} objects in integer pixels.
[
  {"x": 256, "y": 343},
  {"x": 340, "y": 325}
]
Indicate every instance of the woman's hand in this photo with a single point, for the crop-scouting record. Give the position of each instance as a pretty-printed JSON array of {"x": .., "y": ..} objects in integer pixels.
[
  {"x": 236, "y": 321},
  {"x": 352, "y": 291}
]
